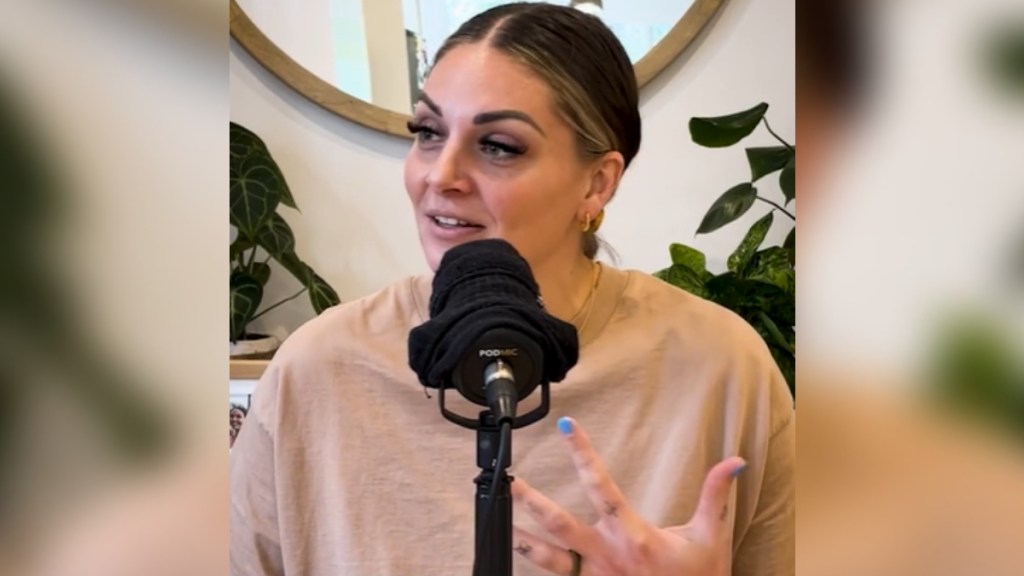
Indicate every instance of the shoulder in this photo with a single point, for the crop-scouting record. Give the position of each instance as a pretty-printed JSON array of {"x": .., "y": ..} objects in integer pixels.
[
  {"x": 349, "y": 341},
  {"x": 383, "y": 313},
  {"x": 688, "y": 335},
  {"x": 673, "y": 311}
]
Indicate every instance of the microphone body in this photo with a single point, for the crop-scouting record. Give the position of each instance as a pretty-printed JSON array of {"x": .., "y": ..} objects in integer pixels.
[{"x": 498, "y": 370}]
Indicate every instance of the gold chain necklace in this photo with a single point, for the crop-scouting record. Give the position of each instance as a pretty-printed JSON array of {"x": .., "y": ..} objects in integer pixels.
[
  {"x": 596, "y": 274},
  {"x": 588, "y": 302}
]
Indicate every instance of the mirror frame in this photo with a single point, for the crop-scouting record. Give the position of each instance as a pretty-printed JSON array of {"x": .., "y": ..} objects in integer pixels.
[{"x": 332, "y": 99}]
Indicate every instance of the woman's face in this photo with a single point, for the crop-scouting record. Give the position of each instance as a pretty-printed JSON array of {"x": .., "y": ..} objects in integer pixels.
[
  {"x": 492, "y": 159},
  {"x": 236, "y": 417}
]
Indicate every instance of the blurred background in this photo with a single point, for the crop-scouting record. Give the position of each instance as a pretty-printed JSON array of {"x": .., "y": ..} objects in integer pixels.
[
  {"x": 911, "y": 306},
  {"x": 113, "y": 180}
]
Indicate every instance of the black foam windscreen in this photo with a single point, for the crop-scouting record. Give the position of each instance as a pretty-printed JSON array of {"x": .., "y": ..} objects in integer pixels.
[{"x": 482, "y": 286}]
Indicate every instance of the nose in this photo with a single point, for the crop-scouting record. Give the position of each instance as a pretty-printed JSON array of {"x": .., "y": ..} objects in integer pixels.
[{"x": 448, "y": 173}]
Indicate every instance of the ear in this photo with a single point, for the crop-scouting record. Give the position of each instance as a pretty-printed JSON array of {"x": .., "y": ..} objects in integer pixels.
[{"x": 604, "y": 181}]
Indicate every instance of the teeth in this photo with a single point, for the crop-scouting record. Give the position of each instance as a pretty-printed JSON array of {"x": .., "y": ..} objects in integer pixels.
[{"x": 445, "y": 221}]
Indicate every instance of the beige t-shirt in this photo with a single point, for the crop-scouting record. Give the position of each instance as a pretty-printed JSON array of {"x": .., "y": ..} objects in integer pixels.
[{"x": 345, "y": 467}]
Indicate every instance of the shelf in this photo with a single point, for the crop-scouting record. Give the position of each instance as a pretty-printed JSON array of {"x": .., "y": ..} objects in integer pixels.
[{"x": 248, "y": 369}]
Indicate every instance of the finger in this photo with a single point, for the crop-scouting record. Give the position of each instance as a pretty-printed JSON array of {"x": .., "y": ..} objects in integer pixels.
[
  {"x": 554, "y": 519},
  {"x": 540, "y": 552},
  {"x": 604, "y": 494},
  {"x": 712, "y": 508}
]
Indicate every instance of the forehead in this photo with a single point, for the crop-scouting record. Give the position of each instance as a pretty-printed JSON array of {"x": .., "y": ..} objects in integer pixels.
[{"x": 474, "y": 77}]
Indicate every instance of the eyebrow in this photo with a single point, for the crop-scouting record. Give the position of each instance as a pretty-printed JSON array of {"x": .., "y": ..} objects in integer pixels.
[{"x": 487, "y": 117}]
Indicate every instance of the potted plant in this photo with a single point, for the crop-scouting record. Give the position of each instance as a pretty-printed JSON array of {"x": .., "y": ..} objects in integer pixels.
[
  {"x": 258, "y": 188},
  {"x": 759, "y": 283}
]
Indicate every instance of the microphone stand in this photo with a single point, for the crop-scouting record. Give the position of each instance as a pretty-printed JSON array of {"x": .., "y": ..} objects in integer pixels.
[{"x": 493, "y": 534}]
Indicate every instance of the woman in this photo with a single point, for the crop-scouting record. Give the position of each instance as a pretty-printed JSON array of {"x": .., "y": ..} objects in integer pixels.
[
  {"x": 526, "y": 123},
  {"x": 236, "y": 416}
]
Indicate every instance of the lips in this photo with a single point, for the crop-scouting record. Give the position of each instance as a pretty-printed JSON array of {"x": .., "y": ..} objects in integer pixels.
[{"x": 449, "y": 221}]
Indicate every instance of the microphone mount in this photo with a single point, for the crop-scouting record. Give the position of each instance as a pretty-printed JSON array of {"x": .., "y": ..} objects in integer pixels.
[{"x": 500, "y": 370}]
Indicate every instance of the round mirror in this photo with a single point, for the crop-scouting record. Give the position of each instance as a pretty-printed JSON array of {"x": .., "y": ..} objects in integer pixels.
[{"x": 366, "y": 60}]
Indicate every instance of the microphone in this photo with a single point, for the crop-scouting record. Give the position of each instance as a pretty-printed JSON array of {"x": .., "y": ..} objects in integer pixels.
[
  {"x": 488, "y": 335},
  {"x": 490, "y": 338}
]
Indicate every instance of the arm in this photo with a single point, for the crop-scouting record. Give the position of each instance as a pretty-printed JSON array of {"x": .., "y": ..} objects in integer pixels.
[{"x": 768, "y": 546}]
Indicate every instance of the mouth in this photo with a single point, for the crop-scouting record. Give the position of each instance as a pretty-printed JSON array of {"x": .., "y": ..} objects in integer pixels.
[{"x": 452, "y": 223}]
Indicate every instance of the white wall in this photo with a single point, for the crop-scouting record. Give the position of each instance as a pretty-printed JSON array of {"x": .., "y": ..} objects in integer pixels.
[
  {"x": 303, "y": 30},
  {"x": 356, "y": 227}
]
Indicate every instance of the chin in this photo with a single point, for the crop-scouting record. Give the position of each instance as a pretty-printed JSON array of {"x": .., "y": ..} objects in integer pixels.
[
  {"x": 432, "y": 252},
  {"x": 434, "y": 249}
]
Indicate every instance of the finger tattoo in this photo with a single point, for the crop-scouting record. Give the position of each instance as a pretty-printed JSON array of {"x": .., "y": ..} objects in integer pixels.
[
  {"x": 611, "y": 509},
  {"x": 524, "y": 549},
  {"x": 725, "y": 510}
]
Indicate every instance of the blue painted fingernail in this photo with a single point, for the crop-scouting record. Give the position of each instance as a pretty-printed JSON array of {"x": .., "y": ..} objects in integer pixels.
[
  {"x": 737, "y": 471},
  {"x": 565, "y": 426}
]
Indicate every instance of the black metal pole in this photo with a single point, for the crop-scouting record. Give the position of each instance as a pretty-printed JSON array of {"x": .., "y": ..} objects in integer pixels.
[{"x": 494, "y": 540}]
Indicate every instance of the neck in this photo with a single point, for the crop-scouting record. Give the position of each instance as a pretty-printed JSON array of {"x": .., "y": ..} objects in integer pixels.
[{"x": 565, "y": 286}]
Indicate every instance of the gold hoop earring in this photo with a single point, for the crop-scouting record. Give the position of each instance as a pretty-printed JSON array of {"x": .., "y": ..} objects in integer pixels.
[{"x": 585, "y": 227}]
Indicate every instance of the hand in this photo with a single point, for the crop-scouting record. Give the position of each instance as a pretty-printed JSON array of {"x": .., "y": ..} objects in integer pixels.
[{"x": 622, "y": 543}]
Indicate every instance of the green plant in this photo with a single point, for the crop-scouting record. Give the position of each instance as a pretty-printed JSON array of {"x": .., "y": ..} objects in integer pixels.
[
  {"x": 760, "y": 283},
  {"x": 975, "y": 367},
  {"x": 258, "y": 187}
]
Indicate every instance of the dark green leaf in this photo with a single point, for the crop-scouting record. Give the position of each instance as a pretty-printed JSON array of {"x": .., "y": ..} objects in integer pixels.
[
  {"x": 728, "y": 290},
  {"x": 738, "y": 260},
  {"x": 246, "y": 147},
  {"x": 779, "y": 305},
  {"x": 246, "y": 293},
  {"x": 764, "y": 161},
  {"x": 321, "y": 295},
  {"x": 261, "y": 272},
  {"x": 276, "y": 237},
  {"x": 299, "y": 269},
  {"x": 239, "y": 246},
  {"x": 976, "y": 364},
  {"x": 244, "y": 142},
  {"x": 690, "y": 257},
  {"x": 255, "y": 193},
  {"x": 286, "y": 193},
  {"x": 1005, "y": 55},
  {"x": 681, "y": 276},
  {"x": 719, "y": 131},
  {"x": 787, "y": 180},
  {"x": 787, "y": 365},
  {"x": 790, "y": 246},
  {"x": 772, "y": 266},
  {"x": 746, "y": 297},
  {"x": 777, "y": 338},
  {"x": 731, "y": 205}
]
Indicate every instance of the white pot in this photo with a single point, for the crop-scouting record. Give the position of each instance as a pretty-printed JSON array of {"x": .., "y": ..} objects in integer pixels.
[{"x": 255, "y": 346}]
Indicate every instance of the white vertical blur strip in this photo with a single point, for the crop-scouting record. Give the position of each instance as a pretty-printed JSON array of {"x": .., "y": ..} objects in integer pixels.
[
  {"x": 920, "y": 218},
  {"x": 388, "y": 54}
]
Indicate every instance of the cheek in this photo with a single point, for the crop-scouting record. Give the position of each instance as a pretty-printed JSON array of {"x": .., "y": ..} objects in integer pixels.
[
  {"x": 531, "y": 216},
  {"x": 413, "y": 176}
]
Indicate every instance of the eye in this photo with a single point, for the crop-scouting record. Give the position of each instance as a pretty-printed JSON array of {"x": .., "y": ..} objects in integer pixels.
[
  {"x": 423, "y": 133},
  {"x": 501, "y": 150}
]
